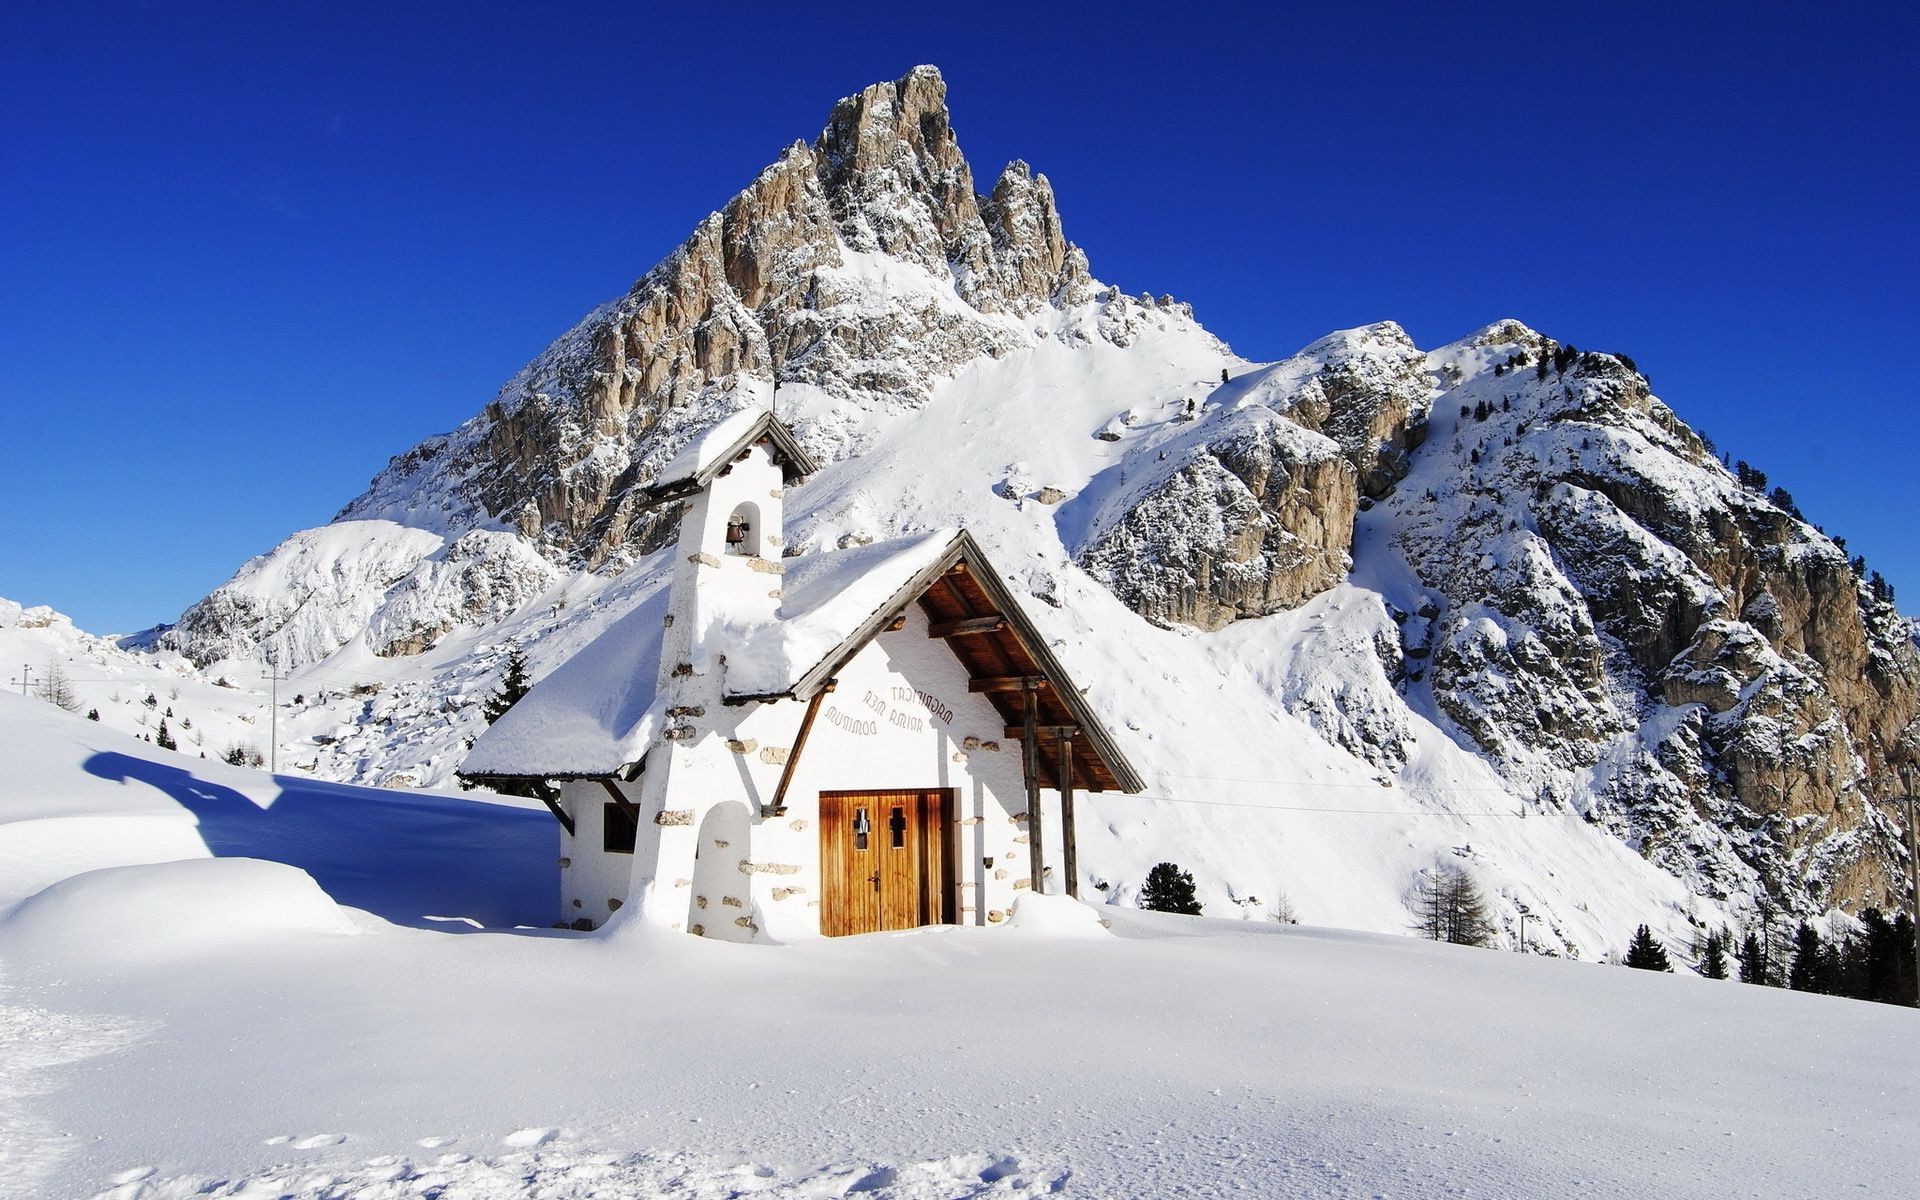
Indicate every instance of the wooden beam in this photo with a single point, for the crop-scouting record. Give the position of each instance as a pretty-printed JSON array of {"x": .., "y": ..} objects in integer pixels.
[
  {"x": 1036, "y": 859},
  {"x": 1006, "y": 683},
  {"x": 1072, "y": 863},
  {"x": 967, "y": 625},
  {"x": 547, "y": 796},
  {"x": 626, "y": 806},
  {"x": 778, "y": 806},
  {"x": 1014, "y": 731}
]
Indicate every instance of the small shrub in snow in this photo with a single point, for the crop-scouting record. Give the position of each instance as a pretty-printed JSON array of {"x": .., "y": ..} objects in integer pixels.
[
  {"x": 1169, "y": 889},
  {"x": 240, "y": 754},
  {"x": 1645, "y": 953},
  {"x": 93, "y": 714}
]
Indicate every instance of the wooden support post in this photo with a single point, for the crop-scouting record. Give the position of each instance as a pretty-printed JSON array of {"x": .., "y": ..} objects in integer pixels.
[
  {"x": 778, "y": 806},
  {"x": 627, "y": 806},
  {"x": 1913, "y": 873},
  {"x": 1071, "y": 860},
  {"x": 551, "y": 798},
  {"x": 1034, "y": 855}
]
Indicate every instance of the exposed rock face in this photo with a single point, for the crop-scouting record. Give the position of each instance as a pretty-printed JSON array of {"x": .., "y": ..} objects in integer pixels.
[
  {"x": 784, "y": 278},
  {"x": 863, "y": 266},
  {"x": 478, "y": 580},
  {"x": 1614, "y": 614},
  {"x": 1249, "y": 515},
  {"x": 1366, "y": 388},
  {"x": 1252, "y": 513}
]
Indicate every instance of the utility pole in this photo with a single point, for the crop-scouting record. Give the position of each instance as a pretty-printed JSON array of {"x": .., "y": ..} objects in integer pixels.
[
  {"x": 1523, "y": 931},
  {"x": 1913, "y": 875},
  {"x": 273, "y": 717},
  {"x": 26, "y": 670}
]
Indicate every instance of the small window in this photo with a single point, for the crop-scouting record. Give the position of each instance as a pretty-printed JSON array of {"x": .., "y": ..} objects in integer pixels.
[
  {"x": 861, "y": 827},
  {"x": 618, "y": 828},
  {"x": 897, "y": 825}
]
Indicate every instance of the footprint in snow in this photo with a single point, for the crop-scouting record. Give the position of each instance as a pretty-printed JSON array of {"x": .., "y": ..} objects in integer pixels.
[
  {"x": 134, "y": 1175},
  {"x": 434, "y": 1143},
  {"x": 317, "y": 1141},
  {"x": 282, "y": 1140},
  {"x": 533, "y": 1135}
]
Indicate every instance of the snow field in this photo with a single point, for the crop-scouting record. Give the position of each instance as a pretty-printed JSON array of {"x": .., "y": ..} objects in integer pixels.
[{"x": 225, "y": 1052}]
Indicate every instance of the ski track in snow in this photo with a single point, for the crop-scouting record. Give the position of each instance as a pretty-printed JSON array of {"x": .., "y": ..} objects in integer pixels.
[{"x": 575, "y": 1174}]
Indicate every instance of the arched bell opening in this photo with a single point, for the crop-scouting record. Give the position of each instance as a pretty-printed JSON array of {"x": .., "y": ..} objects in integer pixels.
[{"x": 743, "y": 530}]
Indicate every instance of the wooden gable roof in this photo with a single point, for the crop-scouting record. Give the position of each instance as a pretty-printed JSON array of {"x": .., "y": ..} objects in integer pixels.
[
  {"x": 971, "y": 608},
  {"x": 703, "y": 462}
]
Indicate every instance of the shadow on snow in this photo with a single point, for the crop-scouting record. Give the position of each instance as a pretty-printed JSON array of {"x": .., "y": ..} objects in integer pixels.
[{"x": 405, "y": 857}]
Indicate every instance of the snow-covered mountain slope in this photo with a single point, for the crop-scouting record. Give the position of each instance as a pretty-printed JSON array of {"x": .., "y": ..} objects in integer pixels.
[
  {"x": 275, "y": 973},
  {"x": 1354, "y": 613}
]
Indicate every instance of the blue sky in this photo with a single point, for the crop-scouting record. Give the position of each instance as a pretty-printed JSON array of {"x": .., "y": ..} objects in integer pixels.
[{"x": 249, "y": 252}]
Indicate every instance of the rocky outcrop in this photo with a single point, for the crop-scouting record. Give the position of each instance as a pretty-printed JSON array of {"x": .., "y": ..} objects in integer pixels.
[
  {"x": 1619, "y": 618},
  {"x": 864, "y": 264},
  {"x": 1367, "y": 389},
  {"x": 1249, "y": 515},
  {"x": 476, "y": 581}
]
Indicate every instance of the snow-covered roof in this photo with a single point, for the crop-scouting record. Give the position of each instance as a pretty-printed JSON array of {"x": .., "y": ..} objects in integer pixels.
[
  {"x": 597, "y": 714},
  {"x": 592, "y": 715},
  {"x": 709, "y": 453}
]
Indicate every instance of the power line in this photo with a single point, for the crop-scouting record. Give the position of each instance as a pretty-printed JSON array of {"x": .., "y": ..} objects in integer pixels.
[
  {"x": 1465, "y": 791},
  {"x": 1306, "y": 808}
]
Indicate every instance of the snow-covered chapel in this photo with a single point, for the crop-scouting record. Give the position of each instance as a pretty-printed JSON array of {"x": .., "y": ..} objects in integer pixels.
[{"x": 774, "y": 748}]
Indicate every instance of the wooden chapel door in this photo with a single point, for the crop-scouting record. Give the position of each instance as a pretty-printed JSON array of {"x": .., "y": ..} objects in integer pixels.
[{"x": 882, "y": 860}]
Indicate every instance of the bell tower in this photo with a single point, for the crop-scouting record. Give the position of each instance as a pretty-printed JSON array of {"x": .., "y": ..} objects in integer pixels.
[{"x": 728, "y": 558}]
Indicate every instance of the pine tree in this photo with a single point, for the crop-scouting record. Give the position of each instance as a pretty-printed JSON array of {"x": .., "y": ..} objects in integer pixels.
[
  {"x": 1879, "y": 959},
  {"x": 1903, "y": 964},
  {"x": 1713, "y": 961},
  {"x": 163, "y": 739},
  {"x": 1169, "y": 889},
  {"x": 1809, "y": 970},
  {"x": 513, "y": 685},
  {"x": 1645, "y": 953},
  {"x": 1753, "y": 961}
]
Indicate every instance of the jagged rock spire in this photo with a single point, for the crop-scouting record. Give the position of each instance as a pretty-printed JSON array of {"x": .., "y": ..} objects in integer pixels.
[{"x": 780, "y": 280}]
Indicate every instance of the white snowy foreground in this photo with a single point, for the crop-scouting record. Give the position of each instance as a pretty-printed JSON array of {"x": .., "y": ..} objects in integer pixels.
[{"x": 337, "y": 1023}]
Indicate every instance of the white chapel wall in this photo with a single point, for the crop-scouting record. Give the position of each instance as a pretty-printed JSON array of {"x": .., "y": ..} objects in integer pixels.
[{"x": 901, "y": 718}]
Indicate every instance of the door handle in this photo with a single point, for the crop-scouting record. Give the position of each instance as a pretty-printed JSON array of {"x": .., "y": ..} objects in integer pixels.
[{"x": 875, "y": 880}]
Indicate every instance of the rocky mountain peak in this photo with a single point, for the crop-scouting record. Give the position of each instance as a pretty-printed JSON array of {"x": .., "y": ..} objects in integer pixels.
[{"x": 862, "y": 265}]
